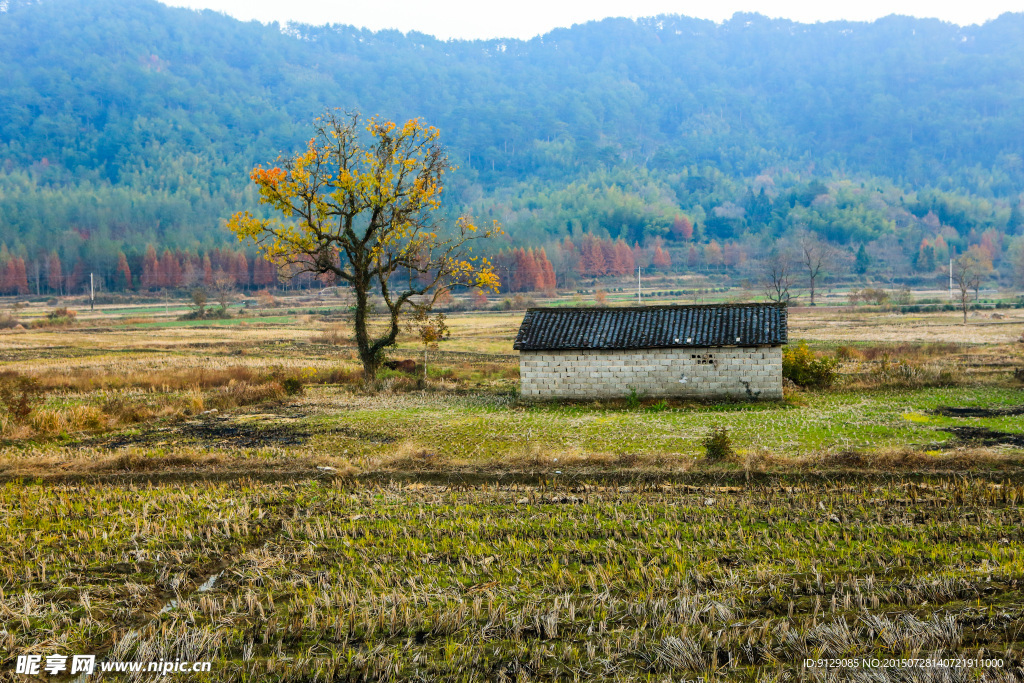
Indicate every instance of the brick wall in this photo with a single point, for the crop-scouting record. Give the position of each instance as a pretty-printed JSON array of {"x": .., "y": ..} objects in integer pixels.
[{"x": 742, "y": 372}]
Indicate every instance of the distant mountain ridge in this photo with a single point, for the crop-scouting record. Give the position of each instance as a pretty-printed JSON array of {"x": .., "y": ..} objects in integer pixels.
[{"x": 131, "y": 121}]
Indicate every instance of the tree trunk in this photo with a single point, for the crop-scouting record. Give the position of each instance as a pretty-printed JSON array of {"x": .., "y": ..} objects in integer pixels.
[
  {"x": 812, "y": 291},
  {"x": 366, "y": 354}
]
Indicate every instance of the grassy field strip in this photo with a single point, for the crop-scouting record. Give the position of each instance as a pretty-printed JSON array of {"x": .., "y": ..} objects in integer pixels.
[
  {"x": 442, "y": 430},
  {"x": 474, "y": 428}
]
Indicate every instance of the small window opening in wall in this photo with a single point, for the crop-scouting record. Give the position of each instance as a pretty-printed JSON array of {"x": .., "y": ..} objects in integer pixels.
[{"x": 703, "y": 358}]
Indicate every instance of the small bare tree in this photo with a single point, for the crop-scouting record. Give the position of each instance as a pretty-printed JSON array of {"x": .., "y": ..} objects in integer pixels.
[
  {"x": 777, "y": 279},
  {"x": 223, "y": 288},
  {"x": 199, "y": 301},
  {"x": 817, "y": 256},
  {"x": 967, "y": 272},
  {"x": 430, "y": 329}
]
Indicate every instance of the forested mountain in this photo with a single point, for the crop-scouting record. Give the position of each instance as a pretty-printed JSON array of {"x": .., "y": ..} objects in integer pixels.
[{"x": 126, "y": 123}]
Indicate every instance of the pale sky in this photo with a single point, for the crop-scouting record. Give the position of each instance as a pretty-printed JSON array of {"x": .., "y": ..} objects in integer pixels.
[{"x": 527, "y": 18}]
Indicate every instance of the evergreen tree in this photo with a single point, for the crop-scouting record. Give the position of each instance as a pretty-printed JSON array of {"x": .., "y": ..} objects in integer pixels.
[
  {"x": 1016, "y": 224},
  {"x": 862, "y": 261}
]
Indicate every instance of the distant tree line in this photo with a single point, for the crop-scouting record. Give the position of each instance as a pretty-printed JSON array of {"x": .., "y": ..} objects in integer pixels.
[{"x": 140, "y": 272}]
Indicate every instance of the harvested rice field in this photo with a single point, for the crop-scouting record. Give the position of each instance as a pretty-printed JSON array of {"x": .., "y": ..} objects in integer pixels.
[{"x": 336, "y": 580}]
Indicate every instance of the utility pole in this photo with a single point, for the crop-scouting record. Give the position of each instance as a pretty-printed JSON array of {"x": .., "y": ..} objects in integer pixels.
[
  {"x": 950, "y": 279},
  {"x": 92, "y": 294},
  {"x": 639, "y": 300}
]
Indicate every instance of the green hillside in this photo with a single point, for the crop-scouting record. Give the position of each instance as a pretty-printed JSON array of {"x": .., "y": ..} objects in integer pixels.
[{"x": 127, "y": 123}]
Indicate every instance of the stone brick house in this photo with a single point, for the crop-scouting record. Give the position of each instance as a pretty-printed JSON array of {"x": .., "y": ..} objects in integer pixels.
[{"x": 713, "y": 351}]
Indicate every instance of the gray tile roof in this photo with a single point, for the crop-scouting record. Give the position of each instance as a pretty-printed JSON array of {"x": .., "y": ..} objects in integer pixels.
[{"x": 652, "y": 327}]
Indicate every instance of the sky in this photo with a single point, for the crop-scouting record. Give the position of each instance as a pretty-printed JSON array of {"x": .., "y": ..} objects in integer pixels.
[{"x": 525, "y": 19}]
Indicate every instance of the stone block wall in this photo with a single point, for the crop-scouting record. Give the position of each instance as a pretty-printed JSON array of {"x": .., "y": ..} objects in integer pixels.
[{"x": 711, "y": 372}]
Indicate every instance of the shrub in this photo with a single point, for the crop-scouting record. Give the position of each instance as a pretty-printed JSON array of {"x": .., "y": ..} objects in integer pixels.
[
  {"x": 518, "y": 302},
  {"x": 265, "y": 299},
  {"x": 906, "y": 374},
  {"x": 848, "y": 353},
  {"x": 522, "y": 302},
  {"x": 869, "y": 295},
  {"x": 801, "y": 366},
  {"x": 292, "y": 385},
  {"x": 19, "y": 395},
  {"x": 207, "y": 314},
  {"x": 902, "y": 296},
  {"x": 717, "y": 445},
  {"x": 58, "y": 317},
  {"x": 632, "y": 399},
  {"x": 7, "y": 322},
  {"x": 659, "y": 407},
  {"x": 126, "y": 410}
]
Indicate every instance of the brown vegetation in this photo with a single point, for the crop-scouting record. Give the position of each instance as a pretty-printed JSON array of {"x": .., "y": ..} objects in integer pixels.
[{"x": 334, "y": 335}]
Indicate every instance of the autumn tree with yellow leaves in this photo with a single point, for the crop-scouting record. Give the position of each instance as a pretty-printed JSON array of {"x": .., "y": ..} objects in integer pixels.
[{"x": 359, "y": 205}]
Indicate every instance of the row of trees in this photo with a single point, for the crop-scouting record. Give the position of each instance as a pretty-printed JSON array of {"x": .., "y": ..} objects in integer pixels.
[
  {"x": 525, "y": 270},
  {"x": 529, "y": 269},
  {"x": 173, "y": 270},
  {"x": 807, "y": 260},
  {"x": 148, "y": 271}
]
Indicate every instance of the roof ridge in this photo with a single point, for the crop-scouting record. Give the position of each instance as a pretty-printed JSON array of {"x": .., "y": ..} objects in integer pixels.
[
  {"x": 664, "y": 326},
  {"x": 748, "y": 304}
]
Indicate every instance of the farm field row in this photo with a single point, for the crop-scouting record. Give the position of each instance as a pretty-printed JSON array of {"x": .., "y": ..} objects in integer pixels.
[{"x": 337, "y": 581}]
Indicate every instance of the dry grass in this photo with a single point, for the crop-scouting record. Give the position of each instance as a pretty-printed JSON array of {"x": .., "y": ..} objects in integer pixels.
[
  {"x": 906, "y": 351},
  {"x": 106, "y": 378},
  {"x": 851, "y": 325},
  {"x": 73, "y": 418},
  {"x": 185, "y": 460},
  {"x": 528, "y": 456},
  {"x": 334, "y": 335},
  {"x": 125, "y": 407},
  {"x": 102, "y": 379},
  {"x": 9, "y": 322},
  {"x": 882, "y": 460},
  {"x": 413, "y": 456},
  {"x": 910, "y": 375},
  {"x": 409, "y": 455}
]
